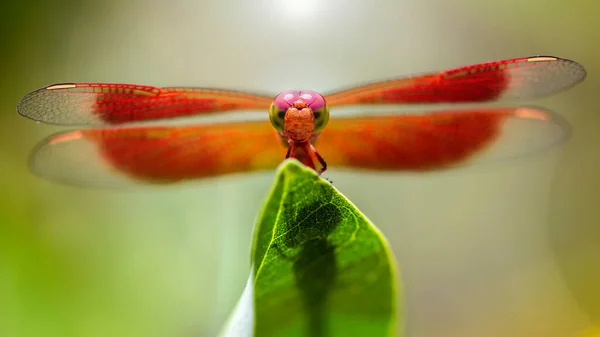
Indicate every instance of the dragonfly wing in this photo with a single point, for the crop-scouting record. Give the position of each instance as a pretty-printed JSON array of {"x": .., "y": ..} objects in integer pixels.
[
  {"x": 518, "y": 78},
  {"x": 114, "y": 157},
  {"x": 108, "y": 103},
  {"x": 440, "y": 140}
]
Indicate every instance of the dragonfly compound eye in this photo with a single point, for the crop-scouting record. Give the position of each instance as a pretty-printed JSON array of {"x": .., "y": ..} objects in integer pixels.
[
  {"x": 283, "y": 101},
  {"x": 319, "y": 107},
  {"x": 321, "y": 118},
  {"x": 276, "y": 115}
]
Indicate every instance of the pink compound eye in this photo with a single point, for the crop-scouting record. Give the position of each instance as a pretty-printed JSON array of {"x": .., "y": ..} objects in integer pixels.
[
  {"x": 314, "y": 100},
  {"x": 286, "y": 98}
]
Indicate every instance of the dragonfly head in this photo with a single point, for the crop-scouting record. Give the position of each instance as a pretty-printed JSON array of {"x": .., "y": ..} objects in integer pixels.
[
  {"x": 299, "y": 114},
  {"x": 299, "y": 121}
]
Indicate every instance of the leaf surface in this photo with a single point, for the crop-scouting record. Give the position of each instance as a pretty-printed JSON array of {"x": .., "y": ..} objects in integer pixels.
[{"x": 320, "y": 267}]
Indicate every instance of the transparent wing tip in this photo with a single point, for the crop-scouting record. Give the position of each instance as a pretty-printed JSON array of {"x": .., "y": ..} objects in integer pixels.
[
  {"x": 532, "y": 132},
  {"x": 71, "y": 159},
  {"x": 537, "y": 76},
  {"x": 35, "y": 105}
]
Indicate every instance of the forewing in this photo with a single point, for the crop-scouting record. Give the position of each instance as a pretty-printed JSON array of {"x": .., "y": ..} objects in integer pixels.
[
  {"x": 518, "y": 78},
  {"x": 109, "y": 103},
  {"x": 441, "y": 139},
  {"x": 115, "y": 157}
]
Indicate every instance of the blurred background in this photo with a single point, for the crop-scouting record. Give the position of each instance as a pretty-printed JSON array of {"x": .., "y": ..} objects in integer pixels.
[{"x": 511, "y": 249}]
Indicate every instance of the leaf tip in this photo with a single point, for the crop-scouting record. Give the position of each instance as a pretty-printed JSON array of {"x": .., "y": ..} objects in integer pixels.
[{"x": 295, "y": 167}]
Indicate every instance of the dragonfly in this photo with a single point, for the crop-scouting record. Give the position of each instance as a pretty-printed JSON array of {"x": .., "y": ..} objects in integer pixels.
[{"x": 115, "y": 144}]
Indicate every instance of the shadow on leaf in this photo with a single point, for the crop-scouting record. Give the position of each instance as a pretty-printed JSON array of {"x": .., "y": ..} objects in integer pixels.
[{"x": 314, "y": 267}]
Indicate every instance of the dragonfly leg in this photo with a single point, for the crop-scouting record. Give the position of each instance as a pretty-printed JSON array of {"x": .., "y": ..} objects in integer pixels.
[
  {"x": 291, "y": 152},
  {"x": 314, "y": 158},
  {"x": 304, "y": 155}
]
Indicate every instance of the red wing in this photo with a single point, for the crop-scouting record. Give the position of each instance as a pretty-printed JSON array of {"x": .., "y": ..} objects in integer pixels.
[
  {"x": 441, "y": 139},
  {"x": 114, "y": 157},
  {"x": 106, "y": 103},
  {"x": 492, "y": 81}
]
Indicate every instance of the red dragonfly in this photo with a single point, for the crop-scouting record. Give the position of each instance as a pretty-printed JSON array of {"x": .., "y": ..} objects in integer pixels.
[{"x": 118, "y": 148}]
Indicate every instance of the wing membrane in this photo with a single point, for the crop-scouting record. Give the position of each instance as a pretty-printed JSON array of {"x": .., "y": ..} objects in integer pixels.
[
  {"x": 157, "y": 154},
  {"x": 518, "y": 78},
  {"x": 108, "y": 103},
  {"x": 114, "y": 157},
  {"x": 442, "y": 139}
]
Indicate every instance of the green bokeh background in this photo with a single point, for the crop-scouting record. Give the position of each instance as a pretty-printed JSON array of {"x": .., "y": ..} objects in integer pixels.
[{"x": 511, "y": 250}]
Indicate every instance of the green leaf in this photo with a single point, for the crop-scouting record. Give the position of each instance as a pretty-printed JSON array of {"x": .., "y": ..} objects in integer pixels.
[{"x": 320, "y": 267}]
